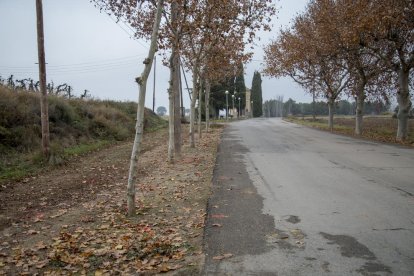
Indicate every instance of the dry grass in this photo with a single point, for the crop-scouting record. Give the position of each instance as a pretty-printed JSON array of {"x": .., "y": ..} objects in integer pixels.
[{"x": 76, "y": 126}]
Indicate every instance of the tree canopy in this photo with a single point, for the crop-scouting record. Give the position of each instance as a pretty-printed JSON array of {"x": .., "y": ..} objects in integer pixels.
[{"x": 362, "y": 49}]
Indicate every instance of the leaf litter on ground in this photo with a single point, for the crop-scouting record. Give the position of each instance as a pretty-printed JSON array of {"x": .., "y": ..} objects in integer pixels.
[{"x": 87, "y": 231}]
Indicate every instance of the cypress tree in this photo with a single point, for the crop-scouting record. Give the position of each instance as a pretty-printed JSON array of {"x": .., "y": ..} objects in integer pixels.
[
  {"x": 240, "y": 88},
  {"x": 256, "y": 96}
]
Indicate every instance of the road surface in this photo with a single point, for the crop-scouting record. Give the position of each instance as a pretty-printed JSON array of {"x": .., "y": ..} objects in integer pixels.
[{"x": 290, "y": 200}]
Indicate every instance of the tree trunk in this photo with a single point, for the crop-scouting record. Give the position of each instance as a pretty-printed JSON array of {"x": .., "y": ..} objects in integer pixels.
[
  {"x": 176, "y": 85},
  {"x": 171, "y": 112},
  {"x": 177, "y": 106},
  {"x": 42, "y": 80},
  {"x": 192, "y": 105},
  {"x": 331, "y": 106},
  {"x": 207, "y": 102},
  {"x": 404, "y": 104},
  {"x": 139, "y": 127},
  {"x": 200, "y": 94},
  {"x": 313, "y": 107},
  {"x": 173, "y": 88},
  {"x": 360, "y": 99}
]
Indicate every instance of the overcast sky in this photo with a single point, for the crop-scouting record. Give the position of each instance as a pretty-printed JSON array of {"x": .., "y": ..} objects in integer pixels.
[{"x": 88, "y": 50}]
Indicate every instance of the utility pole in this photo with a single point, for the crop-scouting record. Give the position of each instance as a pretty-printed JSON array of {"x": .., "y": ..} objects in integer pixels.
[
  {"x": 227, "y": 105},
  {"x": 185, "y": 79},
  {"x": 153, "y": 92},
  {"x": 238, "y": 114},
  {"x": 232, "y": 111},
  {"x": 42, "y": 80}
]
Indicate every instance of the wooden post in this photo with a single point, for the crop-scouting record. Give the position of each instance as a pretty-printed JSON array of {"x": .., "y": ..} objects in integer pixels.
[{"x": 42, "y": 80}]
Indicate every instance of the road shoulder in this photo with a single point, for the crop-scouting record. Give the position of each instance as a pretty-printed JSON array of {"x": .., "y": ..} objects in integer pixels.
[{"x": 235, "y": 224}]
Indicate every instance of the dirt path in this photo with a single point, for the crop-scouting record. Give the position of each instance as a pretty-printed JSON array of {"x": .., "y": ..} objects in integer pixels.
[{"x": 72, "y": 219}]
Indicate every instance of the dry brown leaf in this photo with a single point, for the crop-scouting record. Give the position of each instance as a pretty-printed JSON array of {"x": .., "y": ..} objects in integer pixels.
[
  {"x": 59, "y": 213},
  {"x": 32, "y": 232},
  {"x": 219, "y": 216},
  {"x": 222, "y": 257}
]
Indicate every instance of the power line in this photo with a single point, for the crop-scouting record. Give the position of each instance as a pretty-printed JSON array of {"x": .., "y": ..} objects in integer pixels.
[
  {"x": 80, "y": 70},
  {"x": 129, "y": 27},
  {"x": 84, "y": 65}
]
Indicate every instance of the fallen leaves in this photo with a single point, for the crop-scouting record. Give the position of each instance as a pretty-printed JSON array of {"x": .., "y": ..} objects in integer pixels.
[
  {"x": 59, "y": 213},
  {"x": 222, "y": 257},
  {"x": 100, "y": 240},
  {"x": 32, "y": 232}
]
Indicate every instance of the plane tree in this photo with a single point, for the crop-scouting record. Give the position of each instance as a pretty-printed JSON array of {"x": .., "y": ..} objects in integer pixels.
[
  {"x": 220, "y": 31},
  {"x": 142, "y": 82},
  {"x": 367, "y": 44},
  {"x": 388, "y": 28},
  {"x": 302, "y": 53}
]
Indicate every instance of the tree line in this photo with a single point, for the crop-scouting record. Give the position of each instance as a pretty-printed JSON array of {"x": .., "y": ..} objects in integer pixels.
[
  {"x": 360, "y": 49},
  {"x": 278, "y": 108},
  {"x": 206, "y": 37}
]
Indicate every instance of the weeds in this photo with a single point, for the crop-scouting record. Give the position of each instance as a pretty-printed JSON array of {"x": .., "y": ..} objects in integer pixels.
[{"x": 76, "y": 127}]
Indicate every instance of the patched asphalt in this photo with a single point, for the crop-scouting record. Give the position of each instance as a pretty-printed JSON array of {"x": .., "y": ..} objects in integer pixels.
[
  {"x": 289, "y": 200},
  {"x": 235, "y": 222}
]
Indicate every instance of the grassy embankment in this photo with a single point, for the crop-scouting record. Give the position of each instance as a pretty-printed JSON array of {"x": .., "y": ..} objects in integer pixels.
[
  {"x": 76, "y": 127},
  {"x": 377, "y": 128}
]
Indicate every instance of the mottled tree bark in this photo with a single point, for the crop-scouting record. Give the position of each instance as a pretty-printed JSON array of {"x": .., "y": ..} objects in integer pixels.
[
  {"x": 207, "y": 104},
  {"x": 404, "y": 103},
  {"x": 359, "y": 112},
  {"x": 171, "y": 112},
  {"x": 331, "y": 106},
  {"x": 192, "y": 105},
  {"x": 177, "y": 107},
  {"x": 139, "y": 127},
  {"x": 199, "y": 110}
]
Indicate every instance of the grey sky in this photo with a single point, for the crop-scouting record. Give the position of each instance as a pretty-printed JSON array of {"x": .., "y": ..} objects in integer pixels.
[{"x": 88, "y": 50}]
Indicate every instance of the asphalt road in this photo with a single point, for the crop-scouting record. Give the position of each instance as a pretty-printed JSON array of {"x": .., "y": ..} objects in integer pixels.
[{"x": 290, "y": 200}]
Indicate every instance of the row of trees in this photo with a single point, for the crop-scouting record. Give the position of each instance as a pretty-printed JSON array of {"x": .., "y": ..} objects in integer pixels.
[
  {"x": 364, "y": 49},
  {"x": 278, "y": 108},
  {"x": 208, "y": 36},
  {"x": 236, "y": 86},
  {"x": 30, "y": 85}
]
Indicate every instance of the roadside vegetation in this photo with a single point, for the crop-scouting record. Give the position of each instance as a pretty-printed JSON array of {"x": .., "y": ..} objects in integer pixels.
[
  {"x": 77, "y": 126},
  {"x": 350, "y": 49},
  {"x": 377, "y": 128}
]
